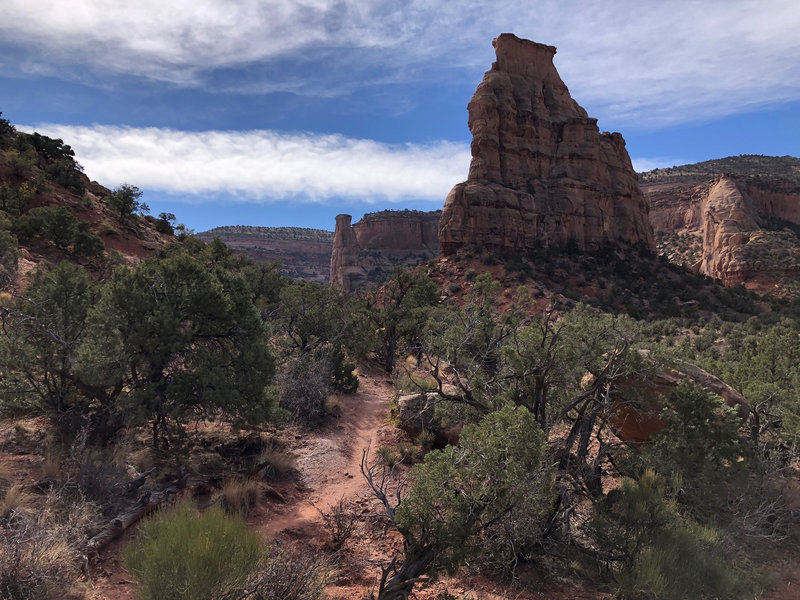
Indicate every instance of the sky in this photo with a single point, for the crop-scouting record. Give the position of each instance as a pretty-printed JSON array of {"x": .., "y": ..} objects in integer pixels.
[{"x": 289, "y": 112}]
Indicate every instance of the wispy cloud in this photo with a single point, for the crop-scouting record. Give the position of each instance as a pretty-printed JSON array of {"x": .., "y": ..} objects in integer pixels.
[
  {"x": 260, "y": 166},
  {"x": 633, "y": 61}
]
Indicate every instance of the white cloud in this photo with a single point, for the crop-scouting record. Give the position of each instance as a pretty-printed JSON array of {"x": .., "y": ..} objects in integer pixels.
[
  {"x": 632, "y": 61},
  {"x": 265, "y": 165}
]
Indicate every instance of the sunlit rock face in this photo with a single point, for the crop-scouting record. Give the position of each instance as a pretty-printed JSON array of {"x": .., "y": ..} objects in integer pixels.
[
  {"x": 541, "y": 171},
  {"x": 732, "y": 229},
  {"x": 369, "y": 251}
]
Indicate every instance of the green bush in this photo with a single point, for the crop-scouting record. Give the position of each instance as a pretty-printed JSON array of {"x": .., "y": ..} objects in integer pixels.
[
  {"x": 343, "y": 375},
  {"x": 164, "y": 223},
  {"x": 683, "y": 562},
  {"x": 125, "y": 201},
  {"x": 656, "y": 552},
  {"x": 56, "y": 223},
  {"x": 305, "y": 384},
  {"x": 12, "y": 199},
  {"x": 20, "y": 162},
  {"x": 181, "y": 554},
  {"x": 702, "y": 444},
  {"x": 7, "y": 132},
  {"x": 67, "y": 173},
  {"x": 50, "y": 149},
  {"x": 87, "y": 243},
  {"x": 8, "y": 256}
]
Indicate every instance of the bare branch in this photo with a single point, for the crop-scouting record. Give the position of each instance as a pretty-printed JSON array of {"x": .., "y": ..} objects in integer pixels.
[{"x": 380, "y": 480}]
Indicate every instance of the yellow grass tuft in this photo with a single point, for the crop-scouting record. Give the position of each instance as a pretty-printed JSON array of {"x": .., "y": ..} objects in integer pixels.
[
  {"x": 240, "y": 496},
  {"x": 16, "y": 499}
]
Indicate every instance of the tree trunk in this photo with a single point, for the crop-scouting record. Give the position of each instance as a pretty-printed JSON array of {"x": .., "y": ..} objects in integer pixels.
[
  {"x": 400, "y": 585},
  {"x": 391, "y": 348}
]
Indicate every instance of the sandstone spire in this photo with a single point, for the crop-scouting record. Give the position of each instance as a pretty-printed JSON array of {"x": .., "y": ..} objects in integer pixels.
[{"x": 541, "y": 172}]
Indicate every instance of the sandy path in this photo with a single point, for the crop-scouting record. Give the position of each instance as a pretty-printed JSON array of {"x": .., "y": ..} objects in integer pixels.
[{"x": 329, "y": 460}]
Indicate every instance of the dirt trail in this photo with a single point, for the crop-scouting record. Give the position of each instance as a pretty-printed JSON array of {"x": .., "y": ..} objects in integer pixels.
[{"x": 329, "y": 460}]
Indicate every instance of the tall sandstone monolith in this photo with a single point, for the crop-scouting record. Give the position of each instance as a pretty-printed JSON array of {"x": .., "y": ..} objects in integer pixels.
[{"x": 541, "y": 174}]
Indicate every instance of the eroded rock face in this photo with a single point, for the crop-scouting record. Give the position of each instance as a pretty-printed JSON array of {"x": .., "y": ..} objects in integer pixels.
[
  {"x": 730, "y": 229},
  {"x": 303, "y": 253},
  {"x": 541, "y": 171},
  {"x": 370, "y": 250}
]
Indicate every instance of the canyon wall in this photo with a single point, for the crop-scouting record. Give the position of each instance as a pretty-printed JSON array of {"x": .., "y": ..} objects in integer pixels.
[
  {"x": 370, "y": 250},
  {"x": 738, "y": 228},
  {"x": 541, "y": 171},
  {"x": 303, "y": 253}
]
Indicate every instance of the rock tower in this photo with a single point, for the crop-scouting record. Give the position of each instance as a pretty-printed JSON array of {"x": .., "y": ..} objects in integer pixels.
[{"x": 541, "y": 172}]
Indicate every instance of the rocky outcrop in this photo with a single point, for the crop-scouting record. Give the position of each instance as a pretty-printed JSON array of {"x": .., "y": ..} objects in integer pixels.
[
  {"x": 541, "y": 171},
  {"x": 639, "y": 399},
  {"x": 303, "y": 253},
  {"x": 741, "y": 229},
  {"x": 370, "y": 250}
]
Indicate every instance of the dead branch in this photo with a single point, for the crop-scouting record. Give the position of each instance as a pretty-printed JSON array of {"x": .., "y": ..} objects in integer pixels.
[{"x": 380, "y": 483}]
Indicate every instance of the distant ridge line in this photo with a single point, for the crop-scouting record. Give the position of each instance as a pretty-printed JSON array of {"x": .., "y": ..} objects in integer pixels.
[
  {"x": 271, "y": 233},
  {"x": 754, "y": 167}
]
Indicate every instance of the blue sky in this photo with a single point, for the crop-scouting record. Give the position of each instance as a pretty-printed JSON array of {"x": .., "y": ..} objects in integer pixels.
[{"x": 289, "y": 112}]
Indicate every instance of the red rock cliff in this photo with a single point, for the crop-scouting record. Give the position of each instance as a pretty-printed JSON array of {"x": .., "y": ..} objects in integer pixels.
[
  {"x": 370, "y": 250},
  {"x": 541, "y": 172},
  {"x": 731, "y": 230}
]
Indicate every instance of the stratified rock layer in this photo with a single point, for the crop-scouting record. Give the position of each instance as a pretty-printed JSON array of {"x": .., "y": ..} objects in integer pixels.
[
  {"x": 541, "y": 172},
  {"x": 370, "y": 250},
  {"x": 741, "y": 229},
  {"x": 303, "y": 253}
]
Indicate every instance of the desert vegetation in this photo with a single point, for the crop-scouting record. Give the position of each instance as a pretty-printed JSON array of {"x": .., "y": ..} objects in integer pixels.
[
  {"x": 754, "y": 168},
  {"x": 604, "y": 418},
  {"x": 541, "y": 463}
]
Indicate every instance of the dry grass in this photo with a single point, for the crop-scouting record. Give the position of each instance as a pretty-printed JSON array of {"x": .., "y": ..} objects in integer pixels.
[
  {"x": 301, "y": 576},
  {"x": 279, "y": 462},
  {"x": 333, "y": 406},
  {"x": 142, "y": 459},
  {"x": 40, "y": 555},
  {"x": 22, "y": 429},
  {"x": 387, "y": 456},
  {"x": 410, "y": 380},
  {"x": 51, "y": 465},
  {"x": 240, "y": 496},
  {"x": 17, "y": 500},
  {"x": 340, "y": 521}
]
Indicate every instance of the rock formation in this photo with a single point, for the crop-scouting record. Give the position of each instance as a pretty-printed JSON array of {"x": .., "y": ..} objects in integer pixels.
[
  {"x": 370, "y": 250},
  {"x": 740, "y": 228},
  {"x": 303, "y": 253},
  {"x": 541, "y": 172},
  {"x": 637, "y": 412}
]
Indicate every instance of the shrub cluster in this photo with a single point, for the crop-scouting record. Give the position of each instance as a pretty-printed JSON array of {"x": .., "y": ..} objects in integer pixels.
[
  {"x": 181, "y": 554},
  {"x": 58, "y": 224}
]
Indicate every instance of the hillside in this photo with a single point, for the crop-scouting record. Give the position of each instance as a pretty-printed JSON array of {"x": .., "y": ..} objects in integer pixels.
[
  {"x": 303, "y": 253},
  {"x": 367, "y": 252},
  {"x": 51, "y": 211}
]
